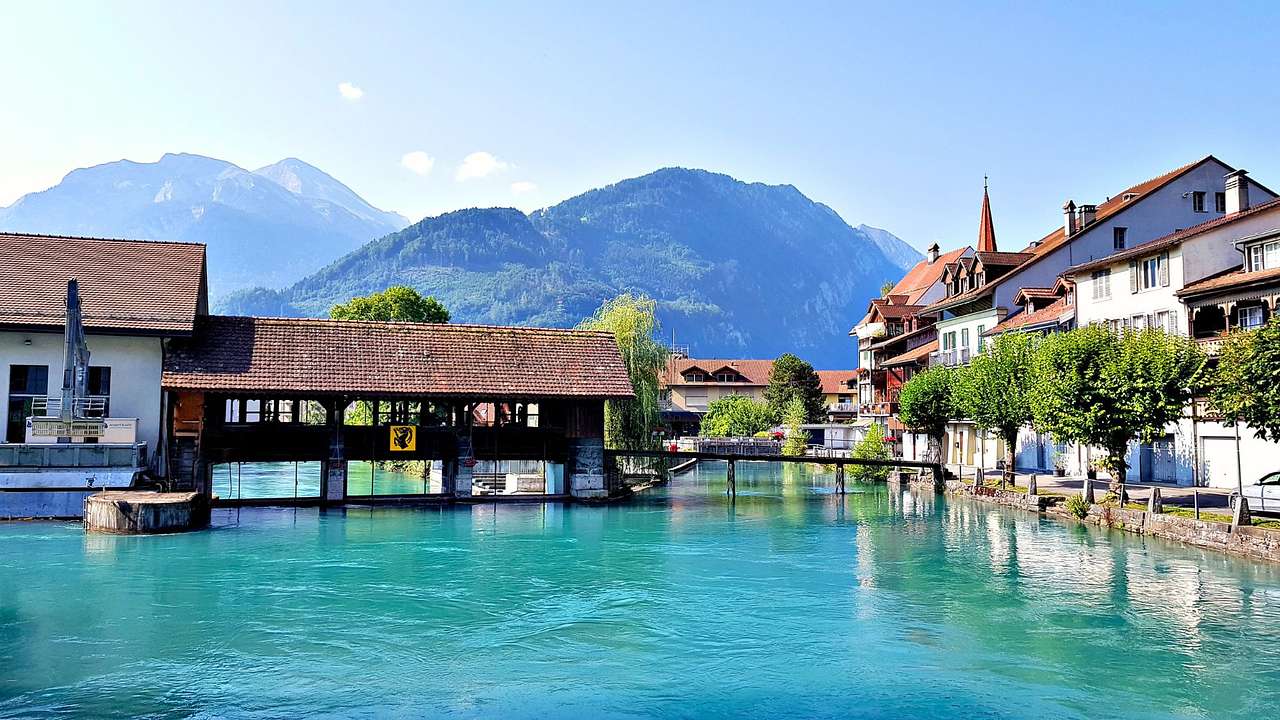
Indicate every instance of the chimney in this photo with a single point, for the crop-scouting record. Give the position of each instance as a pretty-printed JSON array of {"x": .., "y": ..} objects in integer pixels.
[
  {"x": 1237, "y": 191},
  {"x": 1088, "y": 214},
  {"x": 1069, "y": 214},
  {"x": 933, "y": 253}
]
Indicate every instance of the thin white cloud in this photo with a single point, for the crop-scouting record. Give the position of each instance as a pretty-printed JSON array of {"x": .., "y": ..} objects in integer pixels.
[
  {"x": 349, "y": 91},
  {"x": 418, "y": 162},
  {"x": 523, "y": 187},
  {"x": 478, "y": 165}
]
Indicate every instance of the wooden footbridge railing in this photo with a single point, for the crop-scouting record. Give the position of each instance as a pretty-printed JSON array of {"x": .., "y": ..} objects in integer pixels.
[{"x": 611, "y": 458}]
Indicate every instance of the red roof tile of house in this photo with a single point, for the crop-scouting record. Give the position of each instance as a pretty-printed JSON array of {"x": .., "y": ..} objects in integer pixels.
[
  {"x": 1052, "y": 313},
  {"x": 1003, "y": 258},
  {"x": 1229, "y": 280},
  {"x": 756, "y": 372},
  {"x": 331, "y": 357},
  {"x": 1174, "y": 238},
  {"x": 835, "y": 382},
  {"x": 920, "y": 278},
  {"x": 133, "y": 286},
  {"x": 915, "y": 354}
]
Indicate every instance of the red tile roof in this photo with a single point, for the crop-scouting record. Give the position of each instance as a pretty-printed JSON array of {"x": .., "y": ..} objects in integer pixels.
[
  {"x": 833, "y": 381},
  {"x": 915, "y": 354},
  {"x": 1229, "y": 280},
  {"x": 1174, "y": 238},
  {"x": 920, "y": 278},
  {"x": 1003, "y": 258},
  {"x": 330, "y": 357},
  {"x": 1053, "y": 313},
  {"x": 125, "y": 285},
  {"x": 1119, "y": 202},
  {"x": 756, "y": 372}
]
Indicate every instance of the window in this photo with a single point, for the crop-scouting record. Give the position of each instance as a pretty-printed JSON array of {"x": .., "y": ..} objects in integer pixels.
[
  {"x": 26, "y": 382},
  {"x": 694, "y": 377},
  {"x": 981, "y": 340},
  {"x": 1166, "y": 320},
  {"x": 726, "y": 377},
  {"x": 964, "y": 338},
  {"x": 949, "y": 341},
  {"x": 1149, "y": 273},
  {"x": 1250, "y": 317},
  {"x": 1101, "y": 284},
  {"x": 1197, "y": 201},
  {"x": 1117, "y": 237},
  {"x": 98, "y": 385},
  {"x": 1220, "y": 202},
  {"x": 1264, "y": 256},
  {"x": 1138, "y": 322}
]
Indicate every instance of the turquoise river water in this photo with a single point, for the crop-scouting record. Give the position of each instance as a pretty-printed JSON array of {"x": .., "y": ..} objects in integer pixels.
[{"x": 789, "y": 602}]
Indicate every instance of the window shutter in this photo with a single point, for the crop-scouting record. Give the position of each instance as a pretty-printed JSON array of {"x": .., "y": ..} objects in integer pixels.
[
  {"x": 1164, "y": 269},
  {"x": 1173, "y": 322},
  {"x": 1133, "y": 276}
]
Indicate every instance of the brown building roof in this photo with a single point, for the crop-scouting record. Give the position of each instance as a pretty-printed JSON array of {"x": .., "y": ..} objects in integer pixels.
[
  {"x": 1172, "y": 239},
  {"x": 133, "y": 286},
  {"x": 756, "y": 372},
  {"x": 1231, "y": 279},
  {"x": 1052, "y": 313},
  {"x": 920, "y": 278},
  {"x": 835, "y": 382},
  {"x": 913, "y": 355},
  {"x": 329, "y": 357}
]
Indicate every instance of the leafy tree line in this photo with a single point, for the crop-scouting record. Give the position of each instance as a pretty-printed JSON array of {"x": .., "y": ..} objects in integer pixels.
[{"x": 1092, "y": 386}]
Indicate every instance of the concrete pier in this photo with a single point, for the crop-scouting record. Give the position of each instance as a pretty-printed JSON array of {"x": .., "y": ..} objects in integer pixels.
[{"x": 143, "y": 513}]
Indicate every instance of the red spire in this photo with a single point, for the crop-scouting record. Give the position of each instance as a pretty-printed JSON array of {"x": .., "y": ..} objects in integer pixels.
[{"x": 986, "y": 228}]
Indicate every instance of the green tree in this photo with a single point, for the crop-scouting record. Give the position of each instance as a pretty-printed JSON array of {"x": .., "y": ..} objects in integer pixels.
[
  {"x": 872, "y": 446},
  {"x": 797, "y": 438},
  {"x": 886, "y": 288},
  {"x": 1099, "y": 388},
  {"x": 926, "y": 405},
  {"x": 736, "y": 416},
  {"x": 398, "y": 303},
  {"x": 994, "y": 390},
  {"x": 1246, "y": 384},
  {"x": 791, "y": 378},
  {"x": 631, "y": 423}
]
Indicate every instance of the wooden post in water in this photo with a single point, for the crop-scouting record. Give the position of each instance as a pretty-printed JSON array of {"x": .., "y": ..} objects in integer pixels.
[
  {"x": 840, "y": 478},
  {"x": 732, "y": 488}
]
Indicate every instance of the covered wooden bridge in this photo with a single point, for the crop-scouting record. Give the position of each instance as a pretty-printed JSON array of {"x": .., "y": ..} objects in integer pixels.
[{"x": 482, "y": 404}]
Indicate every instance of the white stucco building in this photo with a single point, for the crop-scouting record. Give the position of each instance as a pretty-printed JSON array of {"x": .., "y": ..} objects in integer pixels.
[{"x": 134, "y": 296}]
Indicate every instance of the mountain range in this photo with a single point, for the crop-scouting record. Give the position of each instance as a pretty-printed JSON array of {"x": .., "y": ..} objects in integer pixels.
[
  {"x": 738, "y": 269},
  {"x": 269, "y": 226}
]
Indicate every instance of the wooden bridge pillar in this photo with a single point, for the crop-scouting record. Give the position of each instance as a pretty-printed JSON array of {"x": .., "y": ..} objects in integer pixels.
[
  {"x": 731, "y": 489},
  {"x": 840, "y": 478}
]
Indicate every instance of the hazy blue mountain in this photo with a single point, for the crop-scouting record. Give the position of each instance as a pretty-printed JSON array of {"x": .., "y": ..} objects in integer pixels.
[
  {"x": 266, "y": 228},
  {"x": 892, "y": 246},
  {"x": 738, "y": 269}
]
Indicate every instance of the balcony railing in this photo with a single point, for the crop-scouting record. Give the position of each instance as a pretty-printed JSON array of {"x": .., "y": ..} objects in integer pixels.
[
  {"x": 959, "y": 356},
  {"x": 90, "y": 406},
  {"x": 842, "y": 407},
  {"x": 1210, "y": 345}
]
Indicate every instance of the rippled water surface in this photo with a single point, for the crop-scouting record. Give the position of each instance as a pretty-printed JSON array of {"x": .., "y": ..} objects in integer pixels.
[{"x": 791, "y": 602}]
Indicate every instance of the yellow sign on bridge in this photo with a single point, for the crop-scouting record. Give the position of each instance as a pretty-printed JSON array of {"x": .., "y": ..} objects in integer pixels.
[{"x": 404, "y": 438}]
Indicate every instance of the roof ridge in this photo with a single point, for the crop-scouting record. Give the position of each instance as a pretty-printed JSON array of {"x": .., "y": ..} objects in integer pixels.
[
  {"x": 144, "y": 241},
  {"x": 409, "y": 324}
]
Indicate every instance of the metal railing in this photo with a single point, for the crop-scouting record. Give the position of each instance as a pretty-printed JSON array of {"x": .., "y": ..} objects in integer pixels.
[
  {"x": 959, "y": 356},
  {"x": 90, "y": 406},
  {"x": 850, "y": 407}
]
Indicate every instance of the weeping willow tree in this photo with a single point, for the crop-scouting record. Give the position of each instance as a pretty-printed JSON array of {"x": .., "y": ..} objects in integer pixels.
[{"x": 631, "y": 424}]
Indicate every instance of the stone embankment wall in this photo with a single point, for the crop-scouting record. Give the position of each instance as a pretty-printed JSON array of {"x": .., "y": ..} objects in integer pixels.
[{"x": 1252, "y": 542}]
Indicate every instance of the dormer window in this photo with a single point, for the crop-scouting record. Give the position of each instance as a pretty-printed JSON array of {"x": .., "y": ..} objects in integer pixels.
[
  {"x": 1264, "y": 256},
  {"x": 726, "y": 377},
  {"x": 694, "y": 377}
]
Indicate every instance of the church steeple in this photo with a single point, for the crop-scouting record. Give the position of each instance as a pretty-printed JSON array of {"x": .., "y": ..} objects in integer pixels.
[{"x": 986, "y": 228}]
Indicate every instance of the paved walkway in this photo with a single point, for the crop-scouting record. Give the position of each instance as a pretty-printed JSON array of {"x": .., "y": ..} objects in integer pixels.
[{"x": 1210, "y": 498}]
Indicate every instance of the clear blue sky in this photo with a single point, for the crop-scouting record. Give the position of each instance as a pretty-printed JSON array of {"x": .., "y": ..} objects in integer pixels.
[{"x": 890, "y": 115}]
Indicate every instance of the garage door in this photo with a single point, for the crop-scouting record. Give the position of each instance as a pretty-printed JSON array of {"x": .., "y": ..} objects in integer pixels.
[{"x": 1219, "y": 455}]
